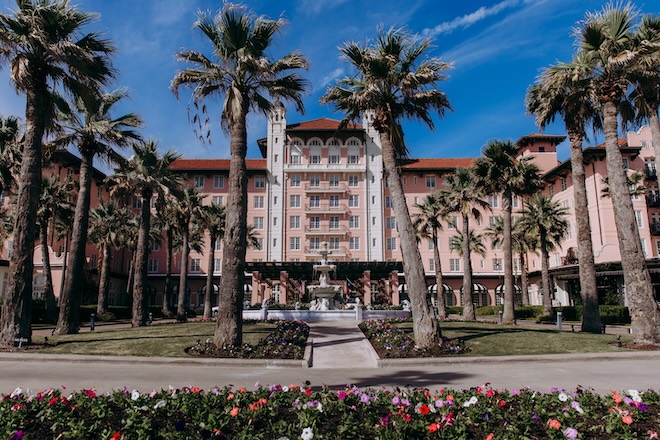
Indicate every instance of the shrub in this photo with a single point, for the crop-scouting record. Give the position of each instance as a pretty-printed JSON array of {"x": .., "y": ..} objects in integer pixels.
[
  {"x": 528, "y": 312},
  {"x": 455, "y": 310},
  {"x": 487, "y": 310}
]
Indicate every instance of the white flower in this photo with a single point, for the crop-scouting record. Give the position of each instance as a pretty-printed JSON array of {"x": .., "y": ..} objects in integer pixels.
[
  {"x": 160, "y": 404},
  {"x": 563, "y": 397},
  {"x": 285, "y": 388},
  {"x": 471, "y": 402},
  {"x": 634, "y": 395},
  {"x": 319, "y": 407},
  {"x": 307, "y": 434},
  {"x": 17, "y": 392},
  {"x": 135, "y": 395}
]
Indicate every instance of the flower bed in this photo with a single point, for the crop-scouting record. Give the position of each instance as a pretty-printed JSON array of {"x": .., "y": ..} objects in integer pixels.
[
  {"x": 392, "y": 342},
  {"x": 294, "y": 412},
  {"x": 287, "y": 341}
]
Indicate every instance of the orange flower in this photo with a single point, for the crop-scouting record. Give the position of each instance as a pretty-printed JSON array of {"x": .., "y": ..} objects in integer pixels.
[
  {"x": 262, "y": 401},
  {"x": 490, "y": 436},
  {"x": 627, "y": 419},
  {"x": 233, "y": 412},
  {"x": 434, "y": 427},
  {"x": 230, "y": 396},
  {"x": 616, "y": 397},
  {"x": 254, "y": 407},
  {"x": 241, "y": 390},
  {"x": 196, "y": 390},
  {"x": 554, "y": 424},
  {"x": 450, "y": 397}
]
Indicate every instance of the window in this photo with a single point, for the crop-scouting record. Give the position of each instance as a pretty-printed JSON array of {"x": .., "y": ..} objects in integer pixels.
[
  {"x": 315, "y": 222},
  {"x": 390, "y": 222},
  {"x": 260, "y": 244},
  {"x": 259, "y": 182},
  {"x": 218, "y": 245},
  {"x": 295, "y": 180},
  {"x": 137, "y": 202},
  {"x": 515, "y": 201},
  {"x": 294, "y": 222},
  {"x": 415, "y": 180},
  {"x": 353, "y": 201},
  {"x": 491, "y": 221},
  {"x": 333, "y": 158},
  {"x": 315, "y": 180},
  {"x": 294, "y": 243},
  {"x": 657, "y": 247},
  {"x": 334, "y": 243},
  {"x": 315, "y": 159},
  {"x": 432, "y": 264},
  {"x": 275, "y": 294},
  {"x": 155, "y": 247},
  {"x": 643, "y": 243},
  {"x": 199, "y": 182},
  {"x": 373, "y": 221},
  {"x": 352, "y": 180},
  {"x": 640, "y": 220},
  {"x": 294, "y": 158},
  {"x": 429, "y": 244},
  {"x": 275, "y": 158},
  {"x": 625, "y": 163},
  {"x": 569, "y": 231},
  {"x": 218, "y": 181},
  {"x": 391, "y": 243},
  {"x": 453, "y": 222},
  {"x": 216, "y": 264},
  {"x": 493, "y": 201},
  {"x": 353, "y": 158},
  {"x": 152, "y": 266},
  {"x": 99, "y": 192},
  {"x": 315, "y": 201},
  {"x": 258, "y": 222},
  {"x": 430, "y": 181},
  {"x": 388, "y": 202},
  {"x": 454, "y": 265},
  {"x": 551, "y": 189},
  {"x": 497, "y": 264},
  {"x": 315, "y": 243},
  {"x": 562, "y": 183},
  {"x": 334, "y": 201},
  {"x": 334, "y": 181},
  {"x": 354, "y": 222},
  {"x": 516, "y": 265},
  {"x": 152, "y": 202},
  {"x": 258, "y": 202},
  {"x": 294, "y": 201},
  {"x": 217, "y": 200},
  {"x": 334, "y": 222},
  {"x": 354, "y": 243},
  {"x": 194, "y": 265},
  {"x": 274, "y": 221}
]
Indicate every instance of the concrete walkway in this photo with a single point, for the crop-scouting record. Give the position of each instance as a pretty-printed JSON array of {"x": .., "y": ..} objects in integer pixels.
[{"x": 338, "y": 344}]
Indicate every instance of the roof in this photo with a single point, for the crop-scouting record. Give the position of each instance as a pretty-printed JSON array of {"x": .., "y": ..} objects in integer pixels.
[
  {"x": 321, "y": 124},
  {"x": 437, "y": 163},
  {"x": 69, "y": 159},
  {"x": 525, "y": 140},
  {"x": 623, "y": 142},
  {"x": 589, "y": 154},
  {"x": 215, "y": 164}
]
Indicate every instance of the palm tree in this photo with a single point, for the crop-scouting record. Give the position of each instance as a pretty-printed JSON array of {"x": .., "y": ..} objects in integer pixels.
[
  {"x": 500, "y": 170},
  {"x": 166, "y": 221},
  {"x": 106, "y": 225},
  {"x": 547, "y": 219},
  {"x": 607, "y": 41},
  {"x": 95, "y": 133},
  {"x": 427, "y": 222},
  {"x": 635, "y": 185},
  {"x": 53, "y": 205},
  {"x": 49, "y": 55},
  {"x": 188, "y": 210},
  {"x": 465, "y": 197},
  {"x": 244, "y": 74},
  {"x": 475, "y": 243},
  {"x": 214, "y": 223},
  {"x": 145, "y": 175},
  {"x": 561, "y": 90},
  {"x": 396, "y": 80},
  {"x": 8, "y": 152}
]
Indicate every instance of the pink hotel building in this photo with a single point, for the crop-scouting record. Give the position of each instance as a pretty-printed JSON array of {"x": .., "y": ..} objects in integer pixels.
[{"x": 316, "y": 185}]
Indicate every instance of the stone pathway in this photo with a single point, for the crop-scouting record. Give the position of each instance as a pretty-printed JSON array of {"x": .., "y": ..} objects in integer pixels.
[{"x": 341, "y": 344}]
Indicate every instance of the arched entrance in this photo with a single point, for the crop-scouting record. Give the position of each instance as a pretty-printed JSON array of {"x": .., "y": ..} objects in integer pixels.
[
  {"x": 480, "y": 297},
  {"x": 499, "y": 295},
  {"x": 447, "y": 291}
]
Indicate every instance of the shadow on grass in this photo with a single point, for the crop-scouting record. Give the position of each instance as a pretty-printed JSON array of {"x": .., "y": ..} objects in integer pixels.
[{"x": 469, "y": 332}]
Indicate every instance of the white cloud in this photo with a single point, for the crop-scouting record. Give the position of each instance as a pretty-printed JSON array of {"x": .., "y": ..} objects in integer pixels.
[
  {"x": 330, "y": 77},
  {"x": 169, "y": 12},
  {"x": 315, "y": 7},
  {"x": 470, "y": 19}
]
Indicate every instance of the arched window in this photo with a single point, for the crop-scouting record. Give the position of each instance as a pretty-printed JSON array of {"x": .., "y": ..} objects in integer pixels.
[
  {"x": 447, "y": 291},
  {"x": 499, "y": 294},
  {"x": 403, "y": 292},
  {"x": 480, "y": 295},
  {"x": 201, "y": 295}
]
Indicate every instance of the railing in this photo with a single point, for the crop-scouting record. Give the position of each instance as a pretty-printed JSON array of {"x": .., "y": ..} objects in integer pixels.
[
  {"x": 342, "y": 251},
  {"x": 650, "y": 172},
  {"x": 653, "y": 200},
  {"x": 321, "y": 167},
  {"x": 567, "y": 261},
  {"x": 326, "y": 188},
  {"x": 324, "y": 230},
  {"x": 326, "y": 208},
  {"x": 655, "y": 228}
]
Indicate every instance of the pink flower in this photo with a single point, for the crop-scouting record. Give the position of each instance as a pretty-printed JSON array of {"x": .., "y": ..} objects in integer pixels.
[
  {"x": 571, "y": 433},
  {"x": 341, "y": 395}
]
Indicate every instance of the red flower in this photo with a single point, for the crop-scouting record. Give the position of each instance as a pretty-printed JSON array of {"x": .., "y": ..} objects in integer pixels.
[
  {"x": 254, "y": 407},
  {"x": 427, "y": 394},
  {"x": 241, "y": 390},
  {"x": 434, "y": 427},
  {"x": 424, "y": 409},
  {"x": 196, "y": 390},
  {"x": 554, "y": 424},
  {"x": 262, "y": 401},
  {"x": 627, "y": 419},
  {"x": 479, "y": 390},
  {"x": 406, "y": 417},
  {"x": 490, "y": 393},
  {"x": 616, "y": 397},
  {"x": 501, "y": 403},
  {"x": 230, "y": 396},
  {"x": 490, "y": 436},
  {"x": 116, "y": 436},
  {"x": 308, "y": 391},
  {"x": 53, "y": 401},
  {"x": 233, "y": 412}
]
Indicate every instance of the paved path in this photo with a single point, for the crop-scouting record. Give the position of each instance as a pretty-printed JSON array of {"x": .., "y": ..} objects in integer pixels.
[{"x": 341, "y": 343}]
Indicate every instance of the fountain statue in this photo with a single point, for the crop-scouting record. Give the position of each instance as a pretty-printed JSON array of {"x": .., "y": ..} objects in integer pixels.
[{"x": 323, "y": 294}]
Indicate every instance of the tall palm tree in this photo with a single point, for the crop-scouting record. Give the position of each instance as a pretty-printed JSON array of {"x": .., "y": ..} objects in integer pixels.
[
  {"x": 106, "y": 225},
  {"x": 465, "y": 197},
  {"x": 188, "y": 210},
  {"x": 49, "y": 55},
  {"x": 93, "y": 130},
  {"x": 396, "y": 80},
  {"x": 475, "y": 243},
  {"x": 500, "y": 170},
  {"x": 635, "y": 185},
  {"x": 145, "y": 175},
  {"x": 607, "y": 40},
  {"x": 166, "y": 221},
  {"x": 245, "y": 75},
  {"x": 427, "y": 222},
  {"x": 214, "y": 223},
  {"x": 547, "y": 219},
  {"x": 9, "y": 156}
]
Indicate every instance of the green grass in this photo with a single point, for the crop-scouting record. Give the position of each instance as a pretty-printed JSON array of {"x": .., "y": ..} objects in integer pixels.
[
  {"x": 157, "y": 340},
  {"x": 496, "y": 340}
]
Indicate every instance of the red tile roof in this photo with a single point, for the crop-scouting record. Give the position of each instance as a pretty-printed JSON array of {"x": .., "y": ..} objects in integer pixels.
[
  {"x": 321, "y": 124},
  {"x": 214, "y": 164},
  {"x": 623, "y": 142},
  {"x": 438, "y": 163}
]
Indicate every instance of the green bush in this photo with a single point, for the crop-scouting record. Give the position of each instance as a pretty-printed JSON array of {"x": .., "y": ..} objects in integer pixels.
[
  {"x": 455, "y": 310},
  {"x": 528, "y": 312},
  {"x": 608, "y": 314},
  {"x": 487, "y": 310}
]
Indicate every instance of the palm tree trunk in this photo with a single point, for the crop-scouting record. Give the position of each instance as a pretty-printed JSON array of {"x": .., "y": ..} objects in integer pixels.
[
  {"x": 644, "y": 310},
  {"x": 545, "y": 276},
  {"x": 183, "y": 278},
  {"x": 141, "y": 259},
  {"x": 508, "y": 316},
  {"x": 101, "y": 304},
  {"x": 440, "y": 292},
  {"x": 130, "y": 282},
  {"x": 425, "y": 327},
  {"x": 655, "y": 135},
  {"x": 468, "y": 307},
  {"x": 228, "y": 331},
  {"x": 16, "y": 320},
  {"x": 585, "y": 251},
  {"x": 524, "y": 282},
  {"x": 71, "y": 296},
  {"x": 209, "y": 279},
  {"x": 168, "y": 274},
  {"x": 49, "y": 296},
  {"x": 65, "y": 257}
]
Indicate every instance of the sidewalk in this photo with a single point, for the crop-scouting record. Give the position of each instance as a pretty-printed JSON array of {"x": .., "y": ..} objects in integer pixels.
[{"x": 339, "y": 344}]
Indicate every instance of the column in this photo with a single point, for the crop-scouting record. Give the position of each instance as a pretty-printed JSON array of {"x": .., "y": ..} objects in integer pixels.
[
  {"x": 256, "y": 289},
  {"x": 284, "y": 287},
  {"x": 393, "y": 282},
  {"x": 366, "y": 286}
]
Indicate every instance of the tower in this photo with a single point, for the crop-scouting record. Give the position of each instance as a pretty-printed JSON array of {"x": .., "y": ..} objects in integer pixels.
[{"x": 276, "y": 150}]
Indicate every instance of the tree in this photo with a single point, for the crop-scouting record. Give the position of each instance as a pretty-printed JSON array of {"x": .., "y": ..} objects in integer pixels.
[
  {"x": 188, "y": 210},
  {"x": 500, "y": 170},
  {"x": 9, "y": 156},
  {"x": 244, "y": 74},
  {"x": 166, "y": 221},
  {"x": 607, "y": 42},
  {"x": 49, "y": 55},
  {"x": 94, "y": 132},
  {"x": 214, "y": 223},
  {"x": 427, "y": 222},
  {"x": 145, "y": 175},
  {"x": 475, "y": 243},
  {"x": 635, "y": 185},
  {"x": 547, "y": 219},
  {"x": 465, "y": 197},
  {"x": 396, "y": 80}
]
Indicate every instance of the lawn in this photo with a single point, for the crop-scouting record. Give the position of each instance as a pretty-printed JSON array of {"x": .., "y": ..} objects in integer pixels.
[
  {"x": 497, "y": 340},
  {"x": 157, "y": 340}
]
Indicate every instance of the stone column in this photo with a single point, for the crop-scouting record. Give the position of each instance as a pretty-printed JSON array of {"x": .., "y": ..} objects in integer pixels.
[
  {"x": 393, "y": 282},
  {"x": 284, "y": 287},
  {"x": 256, "y": 289},
  {"x": 366, "y": 286}
]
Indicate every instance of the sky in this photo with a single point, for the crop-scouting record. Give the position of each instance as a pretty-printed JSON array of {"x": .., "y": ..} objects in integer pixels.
[{"x": 497, "y": 49}]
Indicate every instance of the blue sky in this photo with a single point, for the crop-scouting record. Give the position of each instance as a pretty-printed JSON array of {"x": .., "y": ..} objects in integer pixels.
[{"x": 497, "y": 48}]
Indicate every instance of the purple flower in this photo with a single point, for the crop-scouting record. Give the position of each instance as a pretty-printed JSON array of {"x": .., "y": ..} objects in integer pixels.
[
  {"x": 570, "y": 433},
  {"x": 18, "y": 435},
  {"x": 642, "y": 406},
  {"x": 364, "y": 398},
  {"x": 439, "y": 403},
  {"x": 628, "y": 401},
  {"x": 405, "y": 402},
  {"x": 396, "y": 400}
]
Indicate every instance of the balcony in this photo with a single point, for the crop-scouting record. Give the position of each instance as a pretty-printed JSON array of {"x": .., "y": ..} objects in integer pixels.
[
  {"x": 324, "y": 230},
  {"x": 326, "y": 188},
  {"x": 650, "y": 172},
  {"x": 326, "y": 208},
  {"x": 655, "y": 228},
  {"x": 653, "y": 200},
  {"x": 325, "y": 167},
  {"x": 341, "y": 252}
]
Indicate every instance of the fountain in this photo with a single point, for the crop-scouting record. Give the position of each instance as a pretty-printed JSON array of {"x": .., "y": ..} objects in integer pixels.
[{"x": 323, "y": 294}]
